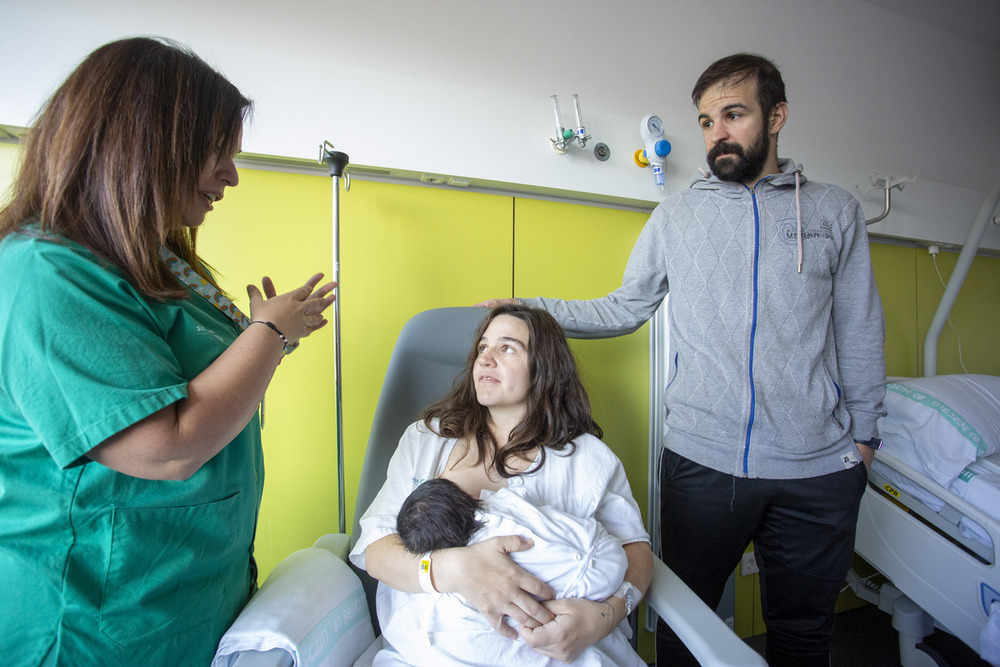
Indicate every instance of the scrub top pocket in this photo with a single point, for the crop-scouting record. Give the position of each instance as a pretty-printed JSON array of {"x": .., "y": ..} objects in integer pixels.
[{"x": 161, "y": 555}]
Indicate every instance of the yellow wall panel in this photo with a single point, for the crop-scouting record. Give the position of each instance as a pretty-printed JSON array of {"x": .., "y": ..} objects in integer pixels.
[
  {"x": 893, "y": 267},
  {"x": 405, "y": 249},
  {"x": 975, "y": 315},
  {"x": 911, "y": 289}
]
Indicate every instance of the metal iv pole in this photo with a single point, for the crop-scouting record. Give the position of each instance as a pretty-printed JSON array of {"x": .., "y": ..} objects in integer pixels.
[{"x": 336, "y": 161}]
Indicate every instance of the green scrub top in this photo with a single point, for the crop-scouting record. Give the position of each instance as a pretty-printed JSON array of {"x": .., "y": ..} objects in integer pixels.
[{"x": 97, "y": 567}]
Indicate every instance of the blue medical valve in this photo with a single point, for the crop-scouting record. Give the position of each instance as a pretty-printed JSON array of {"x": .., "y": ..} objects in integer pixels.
[{"x": 661, "y": 148}]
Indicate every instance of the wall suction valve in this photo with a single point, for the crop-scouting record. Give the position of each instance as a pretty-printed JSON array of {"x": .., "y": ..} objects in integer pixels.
[{"x": 656, "y": 148}]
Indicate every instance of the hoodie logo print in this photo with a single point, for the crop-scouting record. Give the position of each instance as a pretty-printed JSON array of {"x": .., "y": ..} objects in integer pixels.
[{"x": 788, "y": 234}]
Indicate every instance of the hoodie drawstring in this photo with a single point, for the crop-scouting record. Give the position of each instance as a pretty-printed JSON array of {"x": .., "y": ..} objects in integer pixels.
[
  {"x": 798, "y": 210},
  {"x": 798, "y": 217}
]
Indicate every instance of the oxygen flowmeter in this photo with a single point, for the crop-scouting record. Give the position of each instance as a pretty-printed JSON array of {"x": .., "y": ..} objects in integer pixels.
[{"x": 656, "y": 148}]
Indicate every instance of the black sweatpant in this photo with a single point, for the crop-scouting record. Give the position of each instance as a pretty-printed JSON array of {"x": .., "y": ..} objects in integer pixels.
[{"x": 803, "y": 535}]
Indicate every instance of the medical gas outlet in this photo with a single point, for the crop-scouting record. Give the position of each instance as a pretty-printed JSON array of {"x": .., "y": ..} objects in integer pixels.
[
  {"x": 566, "y": 137},
  {"x": 656, "y": 148}
]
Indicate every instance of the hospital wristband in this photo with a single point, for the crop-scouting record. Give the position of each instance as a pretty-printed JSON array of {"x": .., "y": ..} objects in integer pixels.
[
  {"x": 270, "y": 325},
  {"x": 424, "y": 573}
]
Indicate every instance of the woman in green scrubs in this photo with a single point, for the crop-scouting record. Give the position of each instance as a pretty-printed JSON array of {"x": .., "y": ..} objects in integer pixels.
[{"x": 130, "y": 459}]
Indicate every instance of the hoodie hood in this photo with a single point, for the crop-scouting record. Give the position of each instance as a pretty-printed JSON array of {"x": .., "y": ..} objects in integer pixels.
[
  {"x": 705, "y": 180},
  {"x": 790, "y": 175}
]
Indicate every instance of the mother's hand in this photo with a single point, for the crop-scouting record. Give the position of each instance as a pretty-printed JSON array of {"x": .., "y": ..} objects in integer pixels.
[
  {"x": 484, "y": 574},
  {"x": 576, "y": 624}
]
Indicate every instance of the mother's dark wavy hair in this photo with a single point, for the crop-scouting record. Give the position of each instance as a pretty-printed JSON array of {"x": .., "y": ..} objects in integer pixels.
[
  {"x": 114, "y": 156},
  {"x": 558, "y": 407}
]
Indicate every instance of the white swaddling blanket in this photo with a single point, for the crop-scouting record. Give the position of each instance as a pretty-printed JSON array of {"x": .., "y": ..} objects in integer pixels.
[{"x": 576, "y": 557}]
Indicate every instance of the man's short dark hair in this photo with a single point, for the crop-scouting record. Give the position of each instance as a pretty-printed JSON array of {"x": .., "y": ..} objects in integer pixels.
[
  {"x": 740, "y": 67},
  {"x": 437, "y": 515}
]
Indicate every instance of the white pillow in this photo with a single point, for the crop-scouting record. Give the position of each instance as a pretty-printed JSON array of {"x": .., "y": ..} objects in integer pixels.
[{"x": 951, "y": 420}]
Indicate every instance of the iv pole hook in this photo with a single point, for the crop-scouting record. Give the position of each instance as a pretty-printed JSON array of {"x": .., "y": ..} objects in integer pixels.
[{"x": 335, "y": 162}]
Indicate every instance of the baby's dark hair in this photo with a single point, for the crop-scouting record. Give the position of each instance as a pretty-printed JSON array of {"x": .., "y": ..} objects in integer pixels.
[{"x": 437, "y": 515}]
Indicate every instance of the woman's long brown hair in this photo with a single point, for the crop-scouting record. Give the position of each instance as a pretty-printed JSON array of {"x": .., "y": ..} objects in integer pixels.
[
  {"x": 115, "y": 155},
  {"x": 558, "y": 408}
]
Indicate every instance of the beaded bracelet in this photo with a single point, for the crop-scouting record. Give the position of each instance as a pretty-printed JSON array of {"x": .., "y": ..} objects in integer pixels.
[{"x": 275, "y": 329}]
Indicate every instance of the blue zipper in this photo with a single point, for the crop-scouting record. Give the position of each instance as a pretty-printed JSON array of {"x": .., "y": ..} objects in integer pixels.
[
  {"x": 753, "y": 323},
  {"x": 674, "y": 374}
]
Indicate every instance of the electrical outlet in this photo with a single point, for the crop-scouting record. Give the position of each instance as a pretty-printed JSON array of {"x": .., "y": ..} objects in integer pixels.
[{"x": 748, "y": 564}]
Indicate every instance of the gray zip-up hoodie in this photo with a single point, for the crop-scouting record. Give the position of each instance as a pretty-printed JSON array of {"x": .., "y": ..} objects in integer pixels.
[{"x": 775, "y": 372}]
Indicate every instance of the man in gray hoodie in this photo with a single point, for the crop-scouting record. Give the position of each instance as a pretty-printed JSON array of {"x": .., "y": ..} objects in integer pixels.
[{"x": 777, "y": 369}]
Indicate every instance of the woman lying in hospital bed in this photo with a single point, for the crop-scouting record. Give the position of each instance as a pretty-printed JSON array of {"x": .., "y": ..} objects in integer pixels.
[
  {"x": 517, "y": 417},
  {"x": 577, "y": 557}
]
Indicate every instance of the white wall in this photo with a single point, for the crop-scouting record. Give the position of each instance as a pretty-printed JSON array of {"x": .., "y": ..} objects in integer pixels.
[{"x": 461, "y": 87}]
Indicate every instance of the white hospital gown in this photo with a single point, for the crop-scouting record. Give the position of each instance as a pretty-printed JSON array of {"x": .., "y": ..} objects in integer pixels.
[{"x": 589, "y": 483}]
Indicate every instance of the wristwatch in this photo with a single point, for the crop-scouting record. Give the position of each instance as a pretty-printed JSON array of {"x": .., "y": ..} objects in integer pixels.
[
  {"x": 874, "y": 443},
  {"x": 630, "y": 594}
]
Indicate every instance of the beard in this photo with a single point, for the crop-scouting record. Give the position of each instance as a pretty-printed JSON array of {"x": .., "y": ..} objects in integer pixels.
[{"x": 740, "y": 166}]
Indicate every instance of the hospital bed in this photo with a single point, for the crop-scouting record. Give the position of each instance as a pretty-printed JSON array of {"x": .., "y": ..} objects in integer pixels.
[
  {"x": 315, "y": 610},
  {"x": 930, "y": 519}
]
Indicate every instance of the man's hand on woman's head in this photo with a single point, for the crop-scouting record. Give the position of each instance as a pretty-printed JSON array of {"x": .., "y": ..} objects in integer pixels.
[
  {"x": 484, "y": 574},
  {"x": 493, "y": 303}
]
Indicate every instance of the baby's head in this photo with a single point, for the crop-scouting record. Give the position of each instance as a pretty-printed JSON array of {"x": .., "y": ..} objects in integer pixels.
[{"x": 437, "y": 515}]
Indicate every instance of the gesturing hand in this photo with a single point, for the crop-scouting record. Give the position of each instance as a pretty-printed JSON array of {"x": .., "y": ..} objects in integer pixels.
[
  {"x": 296, "y": 313},
  {"x": 484, "y": 574}
]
